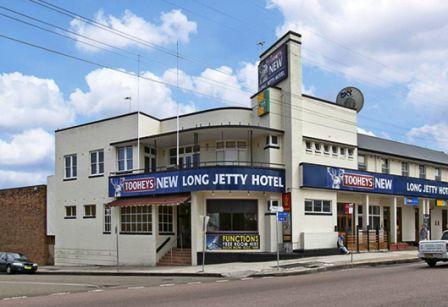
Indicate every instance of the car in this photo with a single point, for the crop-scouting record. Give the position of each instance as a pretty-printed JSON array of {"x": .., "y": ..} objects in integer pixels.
[
  {"x": 16, "y": 263},
  {"x": 433, "y": 251}
]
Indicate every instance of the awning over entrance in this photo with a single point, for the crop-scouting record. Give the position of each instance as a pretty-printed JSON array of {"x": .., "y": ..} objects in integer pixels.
[{"x": 176, "y": 199}]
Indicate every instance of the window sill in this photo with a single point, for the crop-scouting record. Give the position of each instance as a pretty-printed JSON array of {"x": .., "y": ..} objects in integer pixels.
[
  {"x": 136, "y": 233},
  {"x": 272, "y": 146},
  {"x": 96, "y": 176},
  {"x": 89, "y": 217},
  {"x": 318, "y": 213},
  {"x": 70, "y": 217},
  {"x": 69, "y": 179},
  {"x": 106, "y": 232}
]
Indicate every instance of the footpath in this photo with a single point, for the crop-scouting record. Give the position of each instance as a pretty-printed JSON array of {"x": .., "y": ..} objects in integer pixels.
[{"x": 245, "y": 269}]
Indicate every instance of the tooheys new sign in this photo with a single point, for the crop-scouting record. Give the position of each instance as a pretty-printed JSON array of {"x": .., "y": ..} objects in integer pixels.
[
  {"x": 326, "y": 177},
  {"x": 273, "y": 69},
  {"x": 204, "y": 178}
]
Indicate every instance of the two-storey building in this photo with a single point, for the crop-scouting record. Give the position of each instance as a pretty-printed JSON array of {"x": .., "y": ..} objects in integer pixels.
[{"x": 134, "y": 189}]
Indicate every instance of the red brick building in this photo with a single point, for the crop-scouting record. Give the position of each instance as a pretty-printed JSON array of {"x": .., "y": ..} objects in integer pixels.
[{"x": 23, "y": 222}]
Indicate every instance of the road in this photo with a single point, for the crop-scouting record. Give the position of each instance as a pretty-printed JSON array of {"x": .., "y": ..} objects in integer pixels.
[{"x": 398, "y": 285}]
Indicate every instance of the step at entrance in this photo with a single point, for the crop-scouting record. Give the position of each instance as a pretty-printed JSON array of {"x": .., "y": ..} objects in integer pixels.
[{"x": 178, "y": 256}]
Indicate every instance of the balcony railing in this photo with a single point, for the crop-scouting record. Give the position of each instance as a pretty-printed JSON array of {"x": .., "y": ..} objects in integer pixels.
[{"x": 200, "y": 164}]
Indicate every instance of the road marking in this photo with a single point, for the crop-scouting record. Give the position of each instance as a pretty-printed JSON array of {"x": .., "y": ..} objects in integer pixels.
[
  {"x": 247, "y": 278},
  {"x": 45, "y": 283},
  {"x": 14, "y": 298},
  {"x": 60, "y": 293},
  {"x": 167, "y": 285},
  {"x": 96, "y": 290},
  {"x": 266, "y": 277},
  {"x": 194, "y": 283},
  {"x": 135, "y": 288},
  {"x": 223, "y": 280}
]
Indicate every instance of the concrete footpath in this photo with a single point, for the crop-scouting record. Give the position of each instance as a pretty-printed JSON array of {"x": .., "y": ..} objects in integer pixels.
[{"x": 245, "y": 269}]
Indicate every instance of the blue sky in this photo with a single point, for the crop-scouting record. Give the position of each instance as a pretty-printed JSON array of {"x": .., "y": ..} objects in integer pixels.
[{"x": 398, "y": 60}]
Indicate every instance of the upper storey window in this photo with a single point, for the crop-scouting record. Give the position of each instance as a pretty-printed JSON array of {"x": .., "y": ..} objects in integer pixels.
[
  {"x": 71, "y": 169},
  {"x": 385, "y": 166},
  {"x": 422, "y": 171},
  {"x": 362, "y": 162},
  {"x": 405, "y": 169},
  {"x": 125, "y": 158},
  {"x": 438, "y": 175},
  {"x": 231, "y": 151}
]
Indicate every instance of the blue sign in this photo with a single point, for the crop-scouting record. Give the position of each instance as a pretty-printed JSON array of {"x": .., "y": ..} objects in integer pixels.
[
  {"x": 273, "y": 69},
  {"x": 411, "y": 201},
  {"x": 326, "y": 177},
  {"x": 199, "y": 179},
  {"x": 233, "y": 241},
  {"x": 282, "y": 216}
]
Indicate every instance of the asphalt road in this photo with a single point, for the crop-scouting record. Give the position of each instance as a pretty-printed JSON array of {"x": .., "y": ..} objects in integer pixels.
[{"x": 399, "y": 285}]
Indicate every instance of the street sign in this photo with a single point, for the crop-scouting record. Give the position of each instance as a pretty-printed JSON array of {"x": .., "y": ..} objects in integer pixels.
[
  {"x": 282, "y": 216},
  {"x": 275, "y": 206}
]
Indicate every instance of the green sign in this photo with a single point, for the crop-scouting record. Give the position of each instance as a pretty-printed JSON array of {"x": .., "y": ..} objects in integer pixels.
[{"x": 263, "y": 99}]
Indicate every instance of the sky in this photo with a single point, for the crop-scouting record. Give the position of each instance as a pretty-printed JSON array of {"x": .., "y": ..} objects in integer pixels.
[{"x": 394, "y": 51}]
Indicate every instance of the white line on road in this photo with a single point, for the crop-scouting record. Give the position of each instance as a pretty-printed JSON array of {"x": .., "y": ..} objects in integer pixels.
[
  {"x": 14, "y": 298},
  {"x": 247, "y": 278},
  {"x": 167, "y": 285},
  {"x": 224, "y": 280},
  {"x": 266, "y": 277},
  {"x": 135, "y": 288},
  {"x": 44, "y": 283},
  {"x": 194, "y": 283},
  {"x": 96, "y": 290},
  {"x": 60, "y": 293}
]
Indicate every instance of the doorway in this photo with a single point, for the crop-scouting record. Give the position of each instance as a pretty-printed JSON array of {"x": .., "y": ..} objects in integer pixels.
[
  {"x": 184, "y": 225},
  {"x": 345, "y": 220},
  {"x": 399, "y": 223}
]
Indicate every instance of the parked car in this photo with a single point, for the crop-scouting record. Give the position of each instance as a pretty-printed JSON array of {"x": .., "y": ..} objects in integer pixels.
[
  {"x": 432, "y": 251},
  {"x": 16, "y": 262}
]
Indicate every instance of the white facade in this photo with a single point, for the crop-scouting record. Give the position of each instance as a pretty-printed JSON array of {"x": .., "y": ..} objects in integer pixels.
[{"x": 298, "y": 129}]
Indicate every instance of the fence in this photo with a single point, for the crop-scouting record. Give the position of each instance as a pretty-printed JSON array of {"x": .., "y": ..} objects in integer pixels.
[{"x": 367, "y": 240}]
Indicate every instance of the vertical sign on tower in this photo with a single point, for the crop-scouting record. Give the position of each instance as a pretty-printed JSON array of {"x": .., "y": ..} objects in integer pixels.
[
  {"x": 273, "y": 69},
  {"x": 263, "y": 99}
]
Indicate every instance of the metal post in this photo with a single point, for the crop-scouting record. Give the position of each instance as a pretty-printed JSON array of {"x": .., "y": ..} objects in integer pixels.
[
  {"x": 378, "y": 237},
  {"x": 118, "y": 257},
  {"x": 276, "y": 238},
  {"x": 357, "y": 238},
  {"x": 368, "y": 238},
  {"x": 203, "y": 251}
]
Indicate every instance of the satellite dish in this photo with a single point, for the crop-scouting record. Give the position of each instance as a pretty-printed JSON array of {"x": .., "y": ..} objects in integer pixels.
[{"x": 350, "y": 97}]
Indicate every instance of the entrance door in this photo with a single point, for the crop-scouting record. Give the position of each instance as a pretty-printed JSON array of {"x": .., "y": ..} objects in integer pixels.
[
  {"x": 399, "y": 223},
  {"x": 184, "y": 225},
  {"x": 345, "y": 220},
  {"x": 444, "y": 220},
  {"x": 386, "y": 219}
]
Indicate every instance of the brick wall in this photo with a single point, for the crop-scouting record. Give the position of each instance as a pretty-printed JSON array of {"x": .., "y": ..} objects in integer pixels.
[{"x": 23, "y": 222}]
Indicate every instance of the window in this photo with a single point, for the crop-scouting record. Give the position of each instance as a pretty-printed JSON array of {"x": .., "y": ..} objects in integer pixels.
[
  {"x": 97, "y": 162},
  {"x": 374, "y": 217},
  {"x": 405, "y": 169},
  {"x": 326, "y": 149},
  {"x": 125, "y": 160},
  {"x": 342, "y": 152},
  {"x": 272, "y": 141},
  {"x": 308, "y": 146},
  {"x": 232, "y": 215},
  {"x": 136, "y": 219},
  {"x": 150, "y": 159},
  {"x": 231, "y": 151},
  {"x": 384, "y": 166},
  {"x": 107, "y": 219},
  {"x": 362, "y": 162},
  {"x": 317, "y": 206},
  {"x": 438, "y": 175},
  {"x": 165, "y": 219},
  {"x": 334, "y": 150},
  {"x": 70, "y": 212},
  {"x": 350, "y": 153},
  {"x": 70, "y": 167},
  {"x": 89, "y": 211},
  {"x": 317, "y": 148},
  {"x": 422, "y": 171},
  {"x": 189, "y": 156},
  {"x": 360, "y": 216}
]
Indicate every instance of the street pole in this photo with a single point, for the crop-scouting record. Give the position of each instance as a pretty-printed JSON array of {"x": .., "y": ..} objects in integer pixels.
[
  {"x": 118, "y": 257},
  {"x": 276, "y": 239},
  {"x": 205, "y": 220}
]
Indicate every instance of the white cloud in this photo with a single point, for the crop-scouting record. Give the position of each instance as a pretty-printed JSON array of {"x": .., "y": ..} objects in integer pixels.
[
  {"x": 390, "y": 42},
  {"x": 174, "y": 26},
  {"x": 366, "y": 132},
  {"x": 30, "y": 147},
  {"x": 28, "y": 101},
  {"x": 107, "y": 90},
  {"x": 11, "y": 179},
  {"x": 438, "y": 133}
]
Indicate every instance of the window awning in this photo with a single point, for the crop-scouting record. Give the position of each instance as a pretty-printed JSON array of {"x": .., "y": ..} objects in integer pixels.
[{"x": 150, "y": 200}]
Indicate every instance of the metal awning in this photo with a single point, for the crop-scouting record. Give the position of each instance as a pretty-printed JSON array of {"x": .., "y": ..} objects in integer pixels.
[{"x": 173, "y": 200}]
